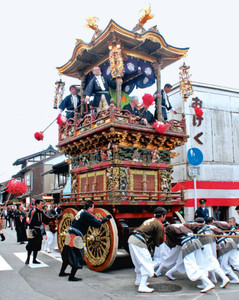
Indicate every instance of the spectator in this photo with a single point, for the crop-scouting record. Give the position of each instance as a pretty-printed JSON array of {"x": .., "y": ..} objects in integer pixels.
[{"x": 20, "y": 225}]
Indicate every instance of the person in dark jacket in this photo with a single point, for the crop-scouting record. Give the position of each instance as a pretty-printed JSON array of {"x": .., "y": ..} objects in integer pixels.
[
  {"x": 146, "y": 117},
  {"x": 166, "y": 105},
  {"x": 99, "y": 87},
  {"x": 73, "y": 250},
  {"x": 20, "y": 225},
  {"x": 202, "y": 211},
  {"x": 132, "y": 107},
  {"x": 71, "y": 103},
  {"x": 37, "y": 217}
]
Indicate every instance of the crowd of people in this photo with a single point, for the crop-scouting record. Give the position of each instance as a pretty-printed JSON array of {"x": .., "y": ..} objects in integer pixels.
[
  {"x": 203, "y": 249},
  {"x": 97, "y": 98},
  {"x": 18, "y": 217},
  {"x": 200, "y": 249}
]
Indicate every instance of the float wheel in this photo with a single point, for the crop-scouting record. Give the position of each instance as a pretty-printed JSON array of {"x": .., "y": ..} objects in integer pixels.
[
  {"x": 101, "y": 243},
  {"x": 64, "y": 224}
]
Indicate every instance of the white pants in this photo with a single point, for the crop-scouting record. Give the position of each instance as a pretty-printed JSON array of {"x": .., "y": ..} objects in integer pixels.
[
  {"x": 142, "y": 260},
  {"x": 168, "y": 256},
  {"x": 103, "y": 105},
  {"x": 210, "y": 261},
  {"x": 51, "y": 241},
  {"x": 228, "y": 259},
  {"x": 234, "y": 259},
  {"x": 179, "y": 264},
  {"x": 160, "y": 252},
  {"x": 193, "y": 263}
]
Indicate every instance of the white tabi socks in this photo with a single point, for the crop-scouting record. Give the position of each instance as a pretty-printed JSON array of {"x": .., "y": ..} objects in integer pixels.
[
  {"x": 234, "y": 277},
  {"x": 225, "y": 279},
  {"x": 143, "y": 285},
  {"x": 207, "y": 284},
  {"x": 138, "y": 280}
]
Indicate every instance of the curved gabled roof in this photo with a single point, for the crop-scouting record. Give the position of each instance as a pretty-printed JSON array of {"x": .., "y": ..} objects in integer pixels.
[
  {"x": 50, "y": 151},
  {"x": 149, "y": 46}
]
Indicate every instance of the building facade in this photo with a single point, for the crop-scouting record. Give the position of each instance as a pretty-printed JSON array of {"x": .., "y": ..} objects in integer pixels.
[
  {"x": 32, "y": 166},
  {"x": 216, "y": 134}
]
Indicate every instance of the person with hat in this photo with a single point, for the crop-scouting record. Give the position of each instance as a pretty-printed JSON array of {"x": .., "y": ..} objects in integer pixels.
[
  {"x": 71, "y": 103},
  {"x": 202, "y": 211},
  {"x": 149, "y": 234}
]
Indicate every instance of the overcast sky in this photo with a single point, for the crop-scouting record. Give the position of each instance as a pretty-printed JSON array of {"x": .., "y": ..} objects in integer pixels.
[{"x": 38, "y": 36}]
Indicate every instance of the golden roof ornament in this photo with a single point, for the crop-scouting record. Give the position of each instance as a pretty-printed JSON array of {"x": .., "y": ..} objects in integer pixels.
[
  {"x": 91, "y": 23},
  {"x": 146, "y": 15},
  {"x": 185, "y": 82}
]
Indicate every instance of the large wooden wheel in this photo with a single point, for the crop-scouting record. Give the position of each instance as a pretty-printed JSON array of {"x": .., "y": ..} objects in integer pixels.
[
  {"x": 101, "y": 243},
  {"x": 64, "y": 224}
]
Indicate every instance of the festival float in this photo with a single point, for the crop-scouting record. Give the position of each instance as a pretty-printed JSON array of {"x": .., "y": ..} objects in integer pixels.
[{"x": 123, "y": 166}]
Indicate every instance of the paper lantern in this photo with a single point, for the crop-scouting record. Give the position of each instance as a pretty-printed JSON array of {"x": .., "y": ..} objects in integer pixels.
[
  {"x": 198, "y": 112},
  {"x": 39, "y": 136},
  {"x": 16, "y": 187},
  {"x": 148, "y": 100},
  {"x": 160, "y": 127},
  {"x": 61, "y": 120}
]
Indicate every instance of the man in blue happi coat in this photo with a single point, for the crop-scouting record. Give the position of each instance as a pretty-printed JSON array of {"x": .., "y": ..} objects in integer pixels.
[
  {"x": 71, "y": 103},
  {"x": 99, "y": 87}
]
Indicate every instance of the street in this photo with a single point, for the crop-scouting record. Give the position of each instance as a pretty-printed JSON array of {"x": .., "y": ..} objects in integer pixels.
[{"x": 41, "y": 282}]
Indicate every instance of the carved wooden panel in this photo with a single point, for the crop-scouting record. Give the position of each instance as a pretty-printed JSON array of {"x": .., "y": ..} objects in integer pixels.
[
  {"x": 93, "y": 181},
  {"x": 143, "y": 180}
]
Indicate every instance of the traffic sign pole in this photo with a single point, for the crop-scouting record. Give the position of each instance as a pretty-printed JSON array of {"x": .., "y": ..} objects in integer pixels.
[
  {"x": 195, "y": 193},
  {"x": 195, "y": 157}
]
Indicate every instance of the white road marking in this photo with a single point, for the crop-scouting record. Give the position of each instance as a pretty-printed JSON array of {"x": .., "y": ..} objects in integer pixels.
[
  {"x": 23, "y": 256},
  {"x": 54, "y": 254},
  {"x": 4, "y": 266}
]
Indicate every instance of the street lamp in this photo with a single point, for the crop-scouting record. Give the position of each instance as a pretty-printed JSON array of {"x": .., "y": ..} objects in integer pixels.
[
  {"x": 185, "y": 83},
  {"x": 60, "y": 86}
]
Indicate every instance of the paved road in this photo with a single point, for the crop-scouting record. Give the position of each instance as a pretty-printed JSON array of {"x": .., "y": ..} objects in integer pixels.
[{"x": 18, "y": 281}]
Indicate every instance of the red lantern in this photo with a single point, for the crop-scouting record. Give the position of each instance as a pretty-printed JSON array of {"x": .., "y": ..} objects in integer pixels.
[
  {"x": 39, "y": 136},
  {"x": 198, "y": 112},
  {"x": 160, "y": 127},
  {"x": 61, "y": 120},
  {"x": 16, "y": 187},
  {"x": 148, "y": 100}
]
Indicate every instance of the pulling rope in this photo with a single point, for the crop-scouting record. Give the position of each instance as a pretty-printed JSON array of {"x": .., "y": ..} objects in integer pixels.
[{"x": 217, "y": 235}]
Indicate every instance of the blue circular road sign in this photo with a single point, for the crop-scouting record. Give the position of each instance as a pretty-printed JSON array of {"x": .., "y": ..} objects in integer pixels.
[{"x": 194, "y": 156}]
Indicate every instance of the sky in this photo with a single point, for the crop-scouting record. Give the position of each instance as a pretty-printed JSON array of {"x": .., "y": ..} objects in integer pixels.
[{"x": 38, "y": 36}]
